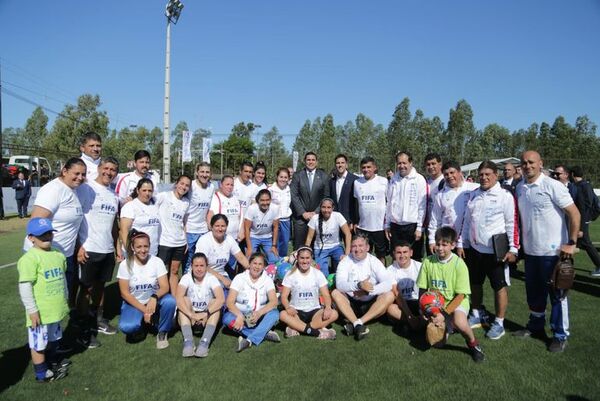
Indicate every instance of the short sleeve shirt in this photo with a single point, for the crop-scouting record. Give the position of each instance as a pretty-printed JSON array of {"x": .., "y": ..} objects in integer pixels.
[
  {"x": 100, "y": 206},
  {"x": 200, "y": 293},
  {"x": 200, "y": 199},
  {"x": 143, "y": 279},
  {"x": 146, "y": 219},
  {"x": 262, "y": 223},
  {"x": 371, "y": 198},
  {"x": 172, "y": 212},
  {"x": 449, "y": 278},
  {"x": 251, "y": 295},
  {"x": 406, "y": 279},
  {"x": 304, "y": 288},
  {"x": 331, "y": 230},
  {"x": 218, "y": 254}
]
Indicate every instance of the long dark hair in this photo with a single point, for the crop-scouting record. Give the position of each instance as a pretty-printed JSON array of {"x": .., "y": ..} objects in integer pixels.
[
  {"x": 134, "y": 193},
  {"x": 132, "y": 236}
]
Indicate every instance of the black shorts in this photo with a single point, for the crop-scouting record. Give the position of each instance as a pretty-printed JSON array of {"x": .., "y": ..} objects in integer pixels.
[
  {"x": 377, "y": 241},
  {"x": 484, "y": 264},
  {"x": 361, "y": 307},
  {"x": 413, "y": 305},
  {"x": 307, "y": 317},
  {"x": 169, "y": 254},
  {"x": 98, "y": 268}
]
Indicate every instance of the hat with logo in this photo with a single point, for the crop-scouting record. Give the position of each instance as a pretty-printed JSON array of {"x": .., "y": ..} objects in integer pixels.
[{"x": 38, "y": 226}]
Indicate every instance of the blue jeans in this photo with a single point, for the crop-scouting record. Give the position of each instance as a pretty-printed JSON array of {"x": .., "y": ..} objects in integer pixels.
[
  {"x": 192, "y": 239},
  {"x": 538, "y": 270},
  {"x": 283, "y": 238},
  {"x": 131, "y": 317},
  {"x": 322, "y": 257},
  {"x": 265, "y": 244},
  {"x": 256, "y": 334}
]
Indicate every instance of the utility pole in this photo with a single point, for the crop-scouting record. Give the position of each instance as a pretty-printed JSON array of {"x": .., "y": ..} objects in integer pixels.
[{"x": 1, "y": 153}]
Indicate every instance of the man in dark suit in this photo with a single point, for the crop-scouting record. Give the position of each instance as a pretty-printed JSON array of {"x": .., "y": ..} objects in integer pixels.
[
  {"x": 585, "y": 201},
  {"x": 309, "y": 186},
  {"x": 341, "y": 189},
  {"x": 22, "y": 189}
]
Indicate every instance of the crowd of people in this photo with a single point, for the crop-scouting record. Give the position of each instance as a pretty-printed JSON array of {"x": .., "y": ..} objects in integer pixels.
[{"x": 200, "y": 256}]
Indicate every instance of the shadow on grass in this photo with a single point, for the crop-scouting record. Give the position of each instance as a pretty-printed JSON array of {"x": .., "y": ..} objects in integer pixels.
[
  {"x": 583, "y": 283},
  {"x": 112, "y": 301},
  {"x": 571, "y": 397},
  {"x": 13, "y": 364}
]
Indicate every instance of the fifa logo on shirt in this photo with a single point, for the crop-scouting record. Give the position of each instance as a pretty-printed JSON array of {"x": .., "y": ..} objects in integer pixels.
[
  {"x": 262, "y": 225},
  {"x": 367, "y": 197},
  {"x": 231, "y": 211},
  {"x": 221, "y": 261},
  {"x": 108, "y": 208},
  {"x": 203, "y": 205},
  {"x": 199, "y": 305},
  {"x": 438, "y": 283},
  {"x": 55, "y": 272},
  {"x": 153, "y": 222},
  {"x": 307, "y": 294},
  {"x": 176, "y": 216}
]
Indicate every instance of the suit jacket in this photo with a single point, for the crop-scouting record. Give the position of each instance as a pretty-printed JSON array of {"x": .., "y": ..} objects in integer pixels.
[
  {"x": 304, "y": 200},
  {"x": 21, "y": 191},
  {"x": 346, "y": 204}
]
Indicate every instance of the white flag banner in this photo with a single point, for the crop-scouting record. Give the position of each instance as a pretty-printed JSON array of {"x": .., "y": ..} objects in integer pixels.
[
  {"x": 186, "y": 147},
  {"x": 206, "y": 148},
  {"x": 295, "y": 160}
]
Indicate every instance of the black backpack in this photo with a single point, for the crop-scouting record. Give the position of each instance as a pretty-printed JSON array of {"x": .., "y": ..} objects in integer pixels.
[{"x": 595, "y": 209}]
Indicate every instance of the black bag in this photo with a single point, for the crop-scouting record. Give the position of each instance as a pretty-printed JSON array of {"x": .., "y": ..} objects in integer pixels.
[
  {"x": 501, "y": 247},
  {"x": 563, "y": 275},
  {"x": 595, "y": 209}
]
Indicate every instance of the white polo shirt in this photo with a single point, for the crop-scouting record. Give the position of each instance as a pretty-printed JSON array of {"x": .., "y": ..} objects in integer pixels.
[
  {"x": 262, "y": 223},
  {"x": 172, "y": 212},
  {"x": 100, "y": 206},
  {"x": 370, "y": 196},
  {"x": 91, "y": 166},
  {"x": 407, "y": 200},
  {"x": 200, "y": 199},
  {"x": 543, "y": 224}
]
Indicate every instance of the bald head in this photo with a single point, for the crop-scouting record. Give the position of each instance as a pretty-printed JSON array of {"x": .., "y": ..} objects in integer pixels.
[{"x": 531, "y": 164}]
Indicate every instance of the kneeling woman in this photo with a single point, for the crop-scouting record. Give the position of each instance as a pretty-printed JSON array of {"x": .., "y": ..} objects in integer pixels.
[
  {"x": 303, "y": 313},
  {"x": 199, "y": 300},
  {"x": 145, "y": 290},
  {"x": 252, "y": 305}
]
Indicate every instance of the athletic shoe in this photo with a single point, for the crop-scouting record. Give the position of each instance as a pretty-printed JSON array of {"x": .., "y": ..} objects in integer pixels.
[
  {"x": 162, "y": 341},
  {"x": 326, "y": 334},
  {"x": 273, "y": 337},
  {"x": 595, "y": 273},
  {"x": 243, "y": 344},
  {"x": 495, "y": 332},
  {"x": 349, "y": 329},
  {"x": 360, "y": 332},
  {"x": 105, "y": 327},
  {"x": 52, "y": 375},
  {"x": 289, "y": 332},
  {"x": 62, "y": 364},
  {"x": 557, "y": 345},
  {"x": 477, "y": 322},
  {"x": 188, "y": 349},
  {"x": 88, "y": 340},
  {"x": 477, "y": 353},
  {"x": 202, "y": 349}
]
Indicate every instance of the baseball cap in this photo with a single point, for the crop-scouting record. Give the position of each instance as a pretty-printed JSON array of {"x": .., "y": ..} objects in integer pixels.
[{"x": 38, "y": 226}]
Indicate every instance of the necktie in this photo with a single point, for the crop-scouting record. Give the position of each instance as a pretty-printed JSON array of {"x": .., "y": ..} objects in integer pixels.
[{"x": 310, "y": 179}]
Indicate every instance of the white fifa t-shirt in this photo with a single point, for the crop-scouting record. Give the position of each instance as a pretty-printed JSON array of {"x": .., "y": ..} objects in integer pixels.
[
  {"x": 200, "y": 199},
  {"x": 371, "y": 197},
  {"x": 251, "y": 295},
  {"x": 406, "y": 279},
  {"x": 200, "y": 293},
  {"x": 143, "y": 279},
  {"x": 146, "y": 219},
  {"x": 172, "y": 213},
  {"x": 244, "y": 193},
  {"x": 67, "y": 214},
  {"x": 230, "y": 207},
  {"x": 262, "y": 223},
  {"x": 283, "y": 199},
  {"x": 100, "y": 206},
  {"x": 331, "y": 230},
  {"x": 218, "y": 254},
  {"x": 304, "y": 288}
]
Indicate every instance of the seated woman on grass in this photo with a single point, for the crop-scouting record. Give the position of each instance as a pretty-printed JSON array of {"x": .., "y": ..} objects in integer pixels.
[
  {"x": 145, "y": 291},
  {"x": 252, "y": 305},
  {"x": 199, "y": 300},
  {"x": 303, "y": 313}
]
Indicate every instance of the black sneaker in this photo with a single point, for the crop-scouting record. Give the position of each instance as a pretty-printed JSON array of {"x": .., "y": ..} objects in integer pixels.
[
  {"x": 349, "y": 329},
  {"x": 105, "y": 327},
  {"x": 89, "y": 341},
  {"x": 62, "y": 364},
  {"x": 557, "y": 345},
  {"x": 595, "y": 272},
  {"x": 360, "y": 332},
  {"x": 52, "y": 375},
  {"x": 526, "y": 333},
  {"x": 243, "y": 344},
  {"x": 477, "y": 353}
]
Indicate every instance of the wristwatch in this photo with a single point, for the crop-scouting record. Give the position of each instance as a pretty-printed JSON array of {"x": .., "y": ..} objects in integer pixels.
[{"x": 571, "y": 242}]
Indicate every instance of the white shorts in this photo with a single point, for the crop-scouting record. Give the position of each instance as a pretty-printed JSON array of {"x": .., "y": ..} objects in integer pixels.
[
  {"x": 459, "y": 308},
  {"x": 43, "y": 334}
]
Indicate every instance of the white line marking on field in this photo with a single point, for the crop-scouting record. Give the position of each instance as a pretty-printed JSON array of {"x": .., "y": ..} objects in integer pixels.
[{"x": 8, "y": 265}]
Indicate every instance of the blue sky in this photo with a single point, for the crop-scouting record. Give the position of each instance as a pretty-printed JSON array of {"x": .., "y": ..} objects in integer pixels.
[{"x": 280, "y": 62}]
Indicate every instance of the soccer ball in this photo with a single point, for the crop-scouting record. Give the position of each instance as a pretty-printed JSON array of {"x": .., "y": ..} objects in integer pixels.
[
  {"x": 431, "y": 302},
  {"x": 282, "y": 270},
  {"x": 271, "y": 271},
  {"x": 331, "y": 281}
]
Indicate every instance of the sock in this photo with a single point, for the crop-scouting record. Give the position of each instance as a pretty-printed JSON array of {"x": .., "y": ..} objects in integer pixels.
[
  {"x": 475, "y": 312},
  {"x": 40, "y": 370},
  {"x": 51, "y": 351},
  {"x": 309, "y": 331},
  {"x": 187, "y": 333},
  {"x": 500, "y": 321},
  {"x": 472, "y": 344},
  {"x": 357, "y": 323},
  {"x": 209, "y": 331}
]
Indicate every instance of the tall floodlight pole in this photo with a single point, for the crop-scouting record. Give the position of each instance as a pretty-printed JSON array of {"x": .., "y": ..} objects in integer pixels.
[{"x": 173, "y": 11}]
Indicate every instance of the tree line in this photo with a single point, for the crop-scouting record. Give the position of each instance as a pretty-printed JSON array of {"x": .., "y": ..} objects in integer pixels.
[{"x": 459, "y": 139}]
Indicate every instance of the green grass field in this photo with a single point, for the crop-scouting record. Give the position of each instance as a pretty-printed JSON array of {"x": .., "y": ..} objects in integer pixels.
[{"x": 383, "y": 366}]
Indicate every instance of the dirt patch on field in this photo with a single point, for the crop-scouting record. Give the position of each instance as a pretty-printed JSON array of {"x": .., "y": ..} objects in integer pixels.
[{"x": 12, "y": 224}]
